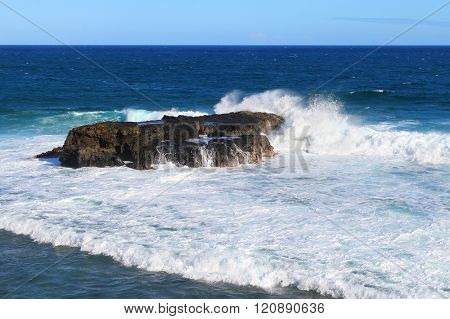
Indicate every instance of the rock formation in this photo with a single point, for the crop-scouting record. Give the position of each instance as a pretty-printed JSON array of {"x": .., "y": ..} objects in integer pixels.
[
  {"x": 54, "y": 153},
  {"x": 211, "y": 140}
]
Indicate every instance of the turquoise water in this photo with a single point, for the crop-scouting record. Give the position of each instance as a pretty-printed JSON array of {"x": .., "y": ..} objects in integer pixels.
[{"x": 368, "y": 218}]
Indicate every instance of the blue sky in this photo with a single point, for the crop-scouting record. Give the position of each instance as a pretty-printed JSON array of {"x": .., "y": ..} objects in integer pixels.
[{"x": 224, "y": 22}]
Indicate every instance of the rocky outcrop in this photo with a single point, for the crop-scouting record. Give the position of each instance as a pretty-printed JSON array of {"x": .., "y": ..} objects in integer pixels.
[
  {"x": 101, "y": 144},
  {"x": 54, "y": 153},
  {"x": 211, "y": 140}
]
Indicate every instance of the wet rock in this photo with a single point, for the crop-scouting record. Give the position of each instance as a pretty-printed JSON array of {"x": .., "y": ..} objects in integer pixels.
[
  {"x": 54, "y": 153},
  {"x": 212, "y": 140},
  {"x": 227, "y": 151},
  {"x": 100, "y": 145}
]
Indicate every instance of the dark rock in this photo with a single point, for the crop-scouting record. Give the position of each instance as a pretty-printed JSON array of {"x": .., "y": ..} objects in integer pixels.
[
  {"x": 211, "y": 140},
  {"x": 101, "y": 144},
  {"x": 54, "y": 153},
  {"x": 230, "y": 124},
  {"x": 226, "y": 151}
]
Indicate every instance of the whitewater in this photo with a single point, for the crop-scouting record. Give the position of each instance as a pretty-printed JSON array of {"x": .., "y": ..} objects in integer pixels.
[{"x": 346, "y": 209}]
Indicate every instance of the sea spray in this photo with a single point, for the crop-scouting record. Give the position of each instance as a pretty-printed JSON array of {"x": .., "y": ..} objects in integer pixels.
[{"x": 329, "y": 131}]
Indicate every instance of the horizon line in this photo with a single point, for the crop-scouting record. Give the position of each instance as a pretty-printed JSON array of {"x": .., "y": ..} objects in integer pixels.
[{"x": 242, "y": 45}]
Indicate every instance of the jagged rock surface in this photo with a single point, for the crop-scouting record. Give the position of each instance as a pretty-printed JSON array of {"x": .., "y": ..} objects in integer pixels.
[
  {"x": 54, "y": 153},
  {"x": 211, "y": 140}
]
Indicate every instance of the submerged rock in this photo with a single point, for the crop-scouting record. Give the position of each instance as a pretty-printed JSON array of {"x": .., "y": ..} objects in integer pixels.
[{"x": 211, "y": 140}]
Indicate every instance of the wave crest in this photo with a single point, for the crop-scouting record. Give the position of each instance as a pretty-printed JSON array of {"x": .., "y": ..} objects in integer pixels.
[{"x": 318, "y": 125}]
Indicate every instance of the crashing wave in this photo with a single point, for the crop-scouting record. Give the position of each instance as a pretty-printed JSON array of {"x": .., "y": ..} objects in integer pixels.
[{"x": 319, "y": 126}]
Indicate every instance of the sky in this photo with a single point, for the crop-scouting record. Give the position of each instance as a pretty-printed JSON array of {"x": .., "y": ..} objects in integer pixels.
[{"x": 225, "y": 22}]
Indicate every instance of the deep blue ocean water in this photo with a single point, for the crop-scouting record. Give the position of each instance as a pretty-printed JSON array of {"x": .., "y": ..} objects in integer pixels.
[
  {"x": 379, "y": 162},
  {"x": 40, "y": 81}
]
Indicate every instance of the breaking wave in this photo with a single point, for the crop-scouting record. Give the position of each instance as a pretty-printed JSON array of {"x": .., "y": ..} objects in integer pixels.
[
  {"x": 316, "y": 125},
  {"x": 319, "y": 126}
]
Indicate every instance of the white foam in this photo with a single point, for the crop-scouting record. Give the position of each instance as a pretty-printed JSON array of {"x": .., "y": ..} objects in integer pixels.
[
  {"x": 244, "y": 226},
  {"x": 75, "y": 113},
  {"x": 372, "y": 91},
  {"x": 134, "y": 115},
  {"x": 319, "y": 126}
]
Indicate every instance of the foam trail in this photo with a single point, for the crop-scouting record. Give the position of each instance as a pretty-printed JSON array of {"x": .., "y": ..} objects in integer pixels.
[{"x": 318, "y": 126}]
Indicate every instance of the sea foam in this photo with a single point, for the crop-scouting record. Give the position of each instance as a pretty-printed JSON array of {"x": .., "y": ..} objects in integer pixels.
[
  {"x": 136, "y": 115},
  {"x": 347, "y": 229},
  {"x": 318, "y": 125}
]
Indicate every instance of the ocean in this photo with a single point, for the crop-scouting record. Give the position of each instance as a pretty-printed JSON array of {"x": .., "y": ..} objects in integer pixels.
[{"x": 354, "y": 205}]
